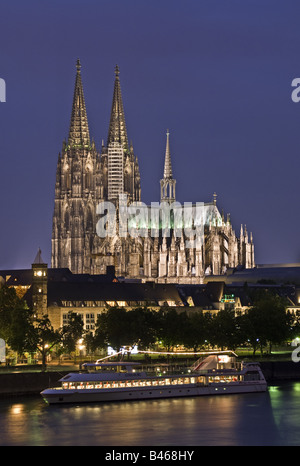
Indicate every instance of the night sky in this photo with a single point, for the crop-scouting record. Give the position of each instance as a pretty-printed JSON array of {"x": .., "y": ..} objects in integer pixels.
[{"x": 217, "y": 73}]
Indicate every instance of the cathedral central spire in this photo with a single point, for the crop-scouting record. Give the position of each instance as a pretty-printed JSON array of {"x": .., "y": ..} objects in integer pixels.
[
  {"x": 168, "y": 165},
  {"x": 79, "y": 129},
  {"x": 117, "y": 126},
  {"x": 167, "y": 184}
]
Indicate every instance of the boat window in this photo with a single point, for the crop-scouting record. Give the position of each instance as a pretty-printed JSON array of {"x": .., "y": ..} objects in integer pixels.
[
  {"x": 222, "y": 379},
  {"x": 159, "y": 381}
]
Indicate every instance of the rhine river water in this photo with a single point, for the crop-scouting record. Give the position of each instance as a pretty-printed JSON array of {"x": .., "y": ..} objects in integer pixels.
[{"x": 268, "y": 419}]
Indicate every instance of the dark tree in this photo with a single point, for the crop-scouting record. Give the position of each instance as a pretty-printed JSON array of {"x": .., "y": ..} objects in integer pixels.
[
  {"x": 72, "y": 332},
  {"x": 43, "y": 338},
  {"x": 15, "y": 320}
]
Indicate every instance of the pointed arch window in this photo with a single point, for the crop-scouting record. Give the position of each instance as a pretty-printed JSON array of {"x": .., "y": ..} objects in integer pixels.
[
  {"x": 67, "y": 220},
  {"x": 89, "y": 220},
  {"x": 88, "y": 178}
]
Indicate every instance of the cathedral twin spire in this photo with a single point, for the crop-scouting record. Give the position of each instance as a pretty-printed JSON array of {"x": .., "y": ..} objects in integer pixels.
[
  {"x": 117, "y": 126},
  {"x": 79, "y": 128},
  {"x": 79, "y": 134},
  {"x": 79, "y": 131}
]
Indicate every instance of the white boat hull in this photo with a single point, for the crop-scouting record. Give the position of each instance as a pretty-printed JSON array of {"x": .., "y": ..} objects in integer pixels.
[{"x": 57, "y": 395}]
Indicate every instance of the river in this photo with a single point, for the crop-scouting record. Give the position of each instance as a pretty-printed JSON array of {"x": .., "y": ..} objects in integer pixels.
[{"x": 268, "y": 419}]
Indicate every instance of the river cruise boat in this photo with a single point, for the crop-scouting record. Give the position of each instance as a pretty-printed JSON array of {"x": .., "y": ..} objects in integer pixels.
[{"x": 216, "y": 374}]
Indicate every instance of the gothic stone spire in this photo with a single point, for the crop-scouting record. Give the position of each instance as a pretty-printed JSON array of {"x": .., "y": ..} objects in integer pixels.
[
  {"x": 117, "y": 126},
  {"x": 168, "y": 166},
  {"x": 167, "y": 184},
  {"x": 79, "y": 130}
]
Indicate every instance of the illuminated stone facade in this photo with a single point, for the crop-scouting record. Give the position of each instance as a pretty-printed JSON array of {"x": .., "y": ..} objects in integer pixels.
[{"x": 86, "y": 176}]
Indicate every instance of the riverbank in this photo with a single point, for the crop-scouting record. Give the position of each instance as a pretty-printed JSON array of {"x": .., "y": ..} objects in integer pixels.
[{"x": 32, "y": 382}]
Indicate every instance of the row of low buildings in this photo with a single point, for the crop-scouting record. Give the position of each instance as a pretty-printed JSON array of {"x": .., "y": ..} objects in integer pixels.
[{"x": 59, "y": 292}]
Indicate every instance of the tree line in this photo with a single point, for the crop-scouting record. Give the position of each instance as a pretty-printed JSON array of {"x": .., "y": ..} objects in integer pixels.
[{"x": 263, "y": 325}]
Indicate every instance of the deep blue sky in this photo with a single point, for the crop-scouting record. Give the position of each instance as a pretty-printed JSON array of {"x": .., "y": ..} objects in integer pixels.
[{"x": 216, "y": 73}]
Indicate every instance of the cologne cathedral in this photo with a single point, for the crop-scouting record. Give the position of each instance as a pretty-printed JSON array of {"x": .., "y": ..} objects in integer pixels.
[{"x": 86, "y": 177}]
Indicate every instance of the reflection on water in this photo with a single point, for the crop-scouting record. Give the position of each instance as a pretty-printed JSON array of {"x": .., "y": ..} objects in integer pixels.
[
  {"x": 285, "y": 401},
  {"x": 271, "y": 418}
]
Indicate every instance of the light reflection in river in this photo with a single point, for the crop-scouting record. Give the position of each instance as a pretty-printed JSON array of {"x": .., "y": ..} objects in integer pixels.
[
  {"x": 247, "y": 419},
  {"x": 285, "y": 401}
]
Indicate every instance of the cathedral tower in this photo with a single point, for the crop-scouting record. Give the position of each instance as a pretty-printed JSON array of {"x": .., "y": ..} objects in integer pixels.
[{"x": 77, "y": 191}]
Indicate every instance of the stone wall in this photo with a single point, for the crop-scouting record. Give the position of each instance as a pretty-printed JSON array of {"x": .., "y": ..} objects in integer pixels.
[{"x": 28, "y": 383}]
